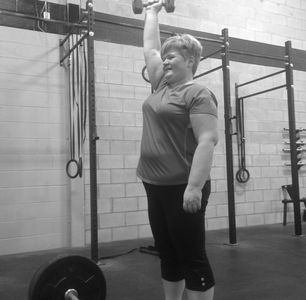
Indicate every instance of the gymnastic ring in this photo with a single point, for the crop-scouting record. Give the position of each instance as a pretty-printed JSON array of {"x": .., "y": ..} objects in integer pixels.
[
  {"x": 143, "y": 74},
  {"x": 243, "y": 175},
  {"x": 67, "y": 168}
]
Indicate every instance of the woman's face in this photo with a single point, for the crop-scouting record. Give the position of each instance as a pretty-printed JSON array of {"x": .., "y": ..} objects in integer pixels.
[{"x": 177, "y": 68}]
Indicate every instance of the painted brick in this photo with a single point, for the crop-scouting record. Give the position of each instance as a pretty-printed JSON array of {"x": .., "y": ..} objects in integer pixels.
[
  {"x": 268, "y": 149},
  {"x": 217, "y": 223},
  {"x": 138, "y": 119},
  {"x": 122, "y": 119},
  {"x": 142, "y": 203},
  {"x": 241, "y": 221},
  {"x": 277, "y": 206},
  {"x": 131, "y": 161},
  {"x": 241, "y": 196},
  {"x": 261, "y": 160},
  {"x": 110, "y": 132},
  {"x": 110, "y": 161},
  {"x": 254, "y": 196},
  {"x": 135, "y": 189},
  {"x": 221, "y": 186},
  {"x": 218, "y": 198},
  {"x": 111, "y": 220},
  {"x": 145, "y": 231},
  {"x": 137, "y": 218},
  {"x": 123, "y": 147},
  {"x": 111, "y": 190},
  {"x": 110, "y": 104},
  {"x": 131, "y": 78},
  {"x": 32, "y": 243},
  {"x": 121, "y": 91},
  {"x": 244, "y": 208},
  {"x": 28, "y": 227},
  {"x": 20, "y": 212},
  {"x": 211, "y": 211},
  {"x": 133, "y": 52},
  {"x": 262, "y": 207},
  {"x": 222, "y": 210},
  {"x": 101, "y": 61},
  {"x": 132, "y": 133},
  {"x": 103, "y": 147},
  {"x": 102, "y": 90},
  {"x": 125, "y": 204},
  {"x": 261, "y": 184},
  {"x": 276, "y": 183},
  {"x": 132, "y": 106},
  {"x": 110, "y": 76},
  {"x": 123, "y": 175},
  {"x": 102, "y": 118},
  {"x": 273, "y": 218},
  {"x": 269, "y": 171},
  {"x": 108, "y": 49},
  {"x": 120, "y": 63},
  {"x": 31, "y": 130},
  {"x": 125, "y": 233},
  {"x": 104, "y": 236},
  {"x": 142, "y": 93},
  {"x": 33, "y": 97},
  {"x": 33, "y": 194},
  {"x": 254, "y": 220},
  {"x": 218, "y": 173},
  {"x": 13, "y": 179}
]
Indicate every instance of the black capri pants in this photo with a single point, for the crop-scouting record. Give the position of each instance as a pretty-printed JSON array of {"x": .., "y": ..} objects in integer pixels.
[{"x": 180, "y": 236}]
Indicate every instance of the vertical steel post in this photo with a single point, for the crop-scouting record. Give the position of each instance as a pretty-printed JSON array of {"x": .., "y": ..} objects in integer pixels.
[
  {"x": 92, "y": 133},
  {"x": 292, "y": 138},
  {"x": 228, "y": 137}
]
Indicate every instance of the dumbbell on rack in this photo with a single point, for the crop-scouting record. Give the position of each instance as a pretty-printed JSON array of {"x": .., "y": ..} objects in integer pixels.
[{"x": 138, "y": 5}]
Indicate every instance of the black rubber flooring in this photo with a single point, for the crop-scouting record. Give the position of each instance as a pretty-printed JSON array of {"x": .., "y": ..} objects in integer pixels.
[{"x": 268, "y": 263}]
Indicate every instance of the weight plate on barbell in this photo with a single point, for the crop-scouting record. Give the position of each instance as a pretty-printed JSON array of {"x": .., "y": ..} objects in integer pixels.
[{"x": 53, "y": 279}]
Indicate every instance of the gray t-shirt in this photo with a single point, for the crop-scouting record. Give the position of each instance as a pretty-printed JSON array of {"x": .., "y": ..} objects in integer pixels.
[{"x": 168, "y": 143}]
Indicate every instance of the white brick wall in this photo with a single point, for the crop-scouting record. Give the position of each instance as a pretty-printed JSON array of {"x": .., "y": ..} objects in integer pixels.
[
  {"x": 35, "y": 194},
  {"x": 33, "y": 143},
  {"x": 268, "y": 22}
]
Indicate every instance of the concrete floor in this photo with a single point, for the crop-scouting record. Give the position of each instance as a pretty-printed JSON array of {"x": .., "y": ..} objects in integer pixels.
[{"x": 268, "y": 263}]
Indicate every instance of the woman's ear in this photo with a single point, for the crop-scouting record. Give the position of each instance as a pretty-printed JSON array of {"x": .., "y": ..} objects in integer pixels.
[{"x": 191, "y": 61}]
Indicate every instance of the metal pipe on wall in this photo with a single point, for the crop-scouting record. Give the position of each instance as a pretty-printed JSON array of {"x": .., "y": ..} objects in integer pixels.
[
  {"x": 228, "y": 138},
  {"x": 292, "y": 138}
]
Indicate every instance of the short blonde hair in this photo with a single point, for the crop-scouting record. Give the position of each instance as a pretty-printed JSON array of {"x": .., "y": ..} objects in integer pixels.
[{"x": 187, "y": 45}]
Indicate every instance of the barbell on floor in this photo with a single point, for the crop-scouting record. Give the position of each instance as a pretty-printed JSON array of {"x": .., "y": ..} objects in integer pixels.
[{"x": 68, "y": 278}]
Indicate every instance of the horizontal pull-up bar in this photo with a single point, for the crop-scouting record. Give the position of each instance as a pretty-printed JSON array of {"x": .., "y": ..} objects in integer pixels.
[
  {"x": 262, "y": 92},
  {"x": 207, "y": 72},
  {"x": 26, "y": 16},
  {"x": 257, "y": 55},
  {"x": 210, "y": 55},
  {"x": 62, "y": 42},
  {"x": 171, "y": 33},
  {"x": 260, "y": 78}
]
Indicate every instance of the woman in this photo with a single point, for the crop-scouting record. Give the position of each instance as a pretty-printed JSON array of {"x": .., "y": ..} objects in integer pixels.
[{"x": 179, "y": 136}]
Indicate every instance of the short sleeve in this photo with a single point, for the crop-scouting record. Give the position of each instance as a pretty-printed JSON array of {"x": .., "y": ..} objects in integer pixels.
[{"x": 203, "y": 102}]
